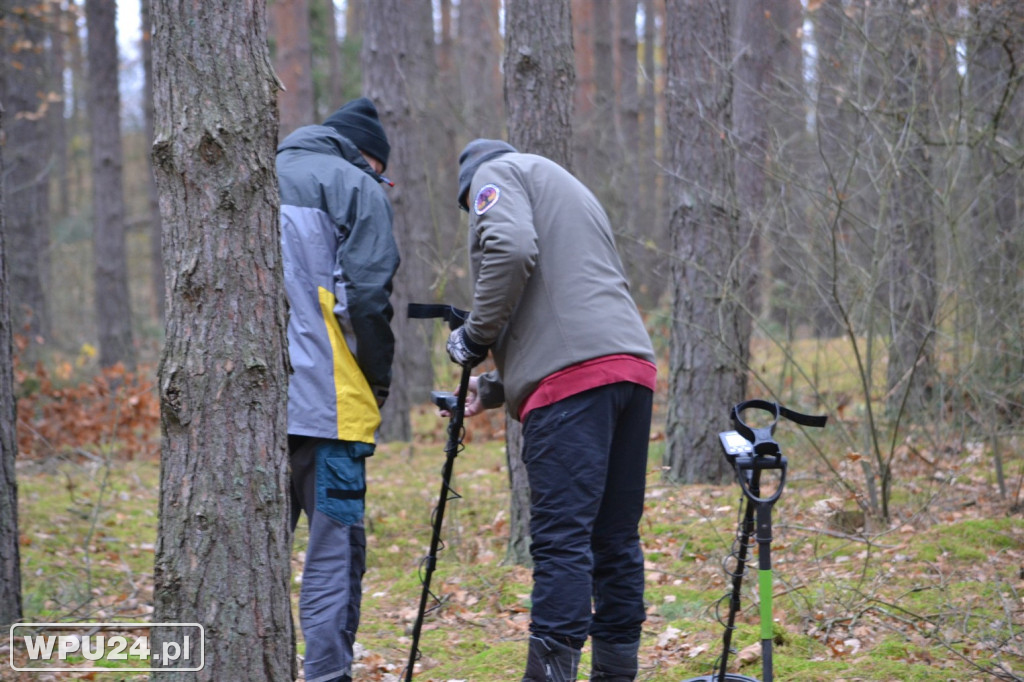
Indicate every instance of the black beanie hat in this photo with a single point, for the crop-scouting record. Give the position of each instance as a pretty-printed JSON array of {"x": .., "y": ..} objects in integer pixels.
[{"x": 358, "y": 121}]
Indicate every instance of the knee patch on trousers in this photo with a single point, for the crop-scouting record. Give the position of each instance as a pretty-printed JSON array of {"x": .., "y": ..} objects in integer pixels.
[{"x": 341, "y": 480}]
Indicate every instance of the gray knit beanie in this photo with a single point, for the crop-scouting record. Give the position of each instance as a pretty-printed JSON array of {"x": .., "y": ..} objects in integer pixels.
[{"x": 472, "y": 157}]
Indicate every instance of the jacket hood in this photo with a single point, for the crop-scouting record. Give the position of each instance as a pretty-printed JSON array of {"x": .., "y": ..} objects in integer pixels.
[
  {"x": 319, "y": 139},
  {"x": 475, "y": 154}
]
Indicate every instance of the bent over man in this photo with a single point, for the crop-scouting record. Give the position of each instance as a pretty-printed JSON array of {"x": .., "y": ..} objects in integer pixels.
[
  {"x": 339, "y": 259},
  {"x": 576, "y": 366}
]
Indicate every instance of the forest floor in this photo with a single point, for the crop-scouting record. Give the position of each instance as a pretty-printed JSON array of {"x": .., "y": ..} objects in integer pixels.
[{"x": 936, "y": 592}]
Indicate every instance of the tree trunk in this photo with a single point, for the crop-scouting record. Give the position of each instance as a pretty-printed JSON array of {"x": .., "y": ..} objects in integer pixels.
[
  {"x": 649, "y": 214},
  {"x": 710, "y": 331},
  {"x": 27, "y": 177},
  {"x": 10, "y": 562},
  {"x": 333, "y": 97},
  {"x": 113, "y": 309},
  {"x": 993, "y": 76},
  {"x": 836, "y": 135},
  {"x": 540, "y": 78},
  {"x": 788, "y": 231},
  {"x": 539, "y": 83},
  {"x": 155, "y": 224},
  {"x": 293, "y": 61},
  {"x": 479, "y": 65},
  {"x": 224, "y": 546},
  {"x": 59, "y": 130},
  {"x": 398, "y": 73},
  {"x": 634, "y": 236},
  {"x": 912, "y": 292},
  {"x": 752, "y": 68}
]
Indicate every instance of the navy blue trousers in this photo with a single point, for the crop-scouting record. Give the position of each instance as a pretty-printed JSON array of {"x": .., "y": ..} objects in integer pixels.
[{"x": 586, "y": 460}]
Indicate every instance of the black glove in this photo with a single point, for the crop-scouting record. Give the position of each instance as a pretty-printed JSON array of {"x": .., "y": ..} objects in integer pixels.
[
  {"x": 464, "y": 350},
  {"x": 380, "y": 394}
]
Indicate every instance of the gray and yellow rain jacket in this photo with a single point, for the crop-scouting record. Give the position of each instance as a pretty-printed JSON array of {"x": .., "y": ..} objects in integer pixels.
[{"x": 339, "y": 259}]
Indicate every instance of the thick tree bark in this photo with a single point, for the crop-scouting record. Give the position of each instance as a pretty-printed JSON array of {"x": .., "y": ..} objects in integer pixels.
[
  {"x": 710, "y": 331},
  {"x": 540, "y": 76},
  {"x": 293, "y": 60},
  {"x": 398, "y": 73},
  {"x": 113, "y": 309},
  {"x": 224, "y": 546},
  {"x": 27, "y": 178},
  {"x": 10, "y": 561}
]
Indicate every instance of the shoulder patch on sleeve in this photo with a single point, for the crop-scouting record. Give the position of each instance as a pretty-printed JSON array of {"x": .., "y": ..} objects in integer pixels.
[{"x": 486, "y": 198}]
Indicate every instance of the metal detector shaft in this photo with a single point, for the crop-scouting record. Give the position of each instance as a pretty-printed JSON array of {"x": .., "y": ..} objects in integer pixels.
[
  {"x": 451, "y": 452},
  {"x": 764, "y": 572},
  {"x": 747, "y": 529}
]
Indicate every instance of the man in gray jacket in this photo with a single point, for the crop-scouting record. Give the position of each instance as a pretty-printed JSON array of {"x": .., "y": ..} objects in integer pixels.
[
  {"x": 576, "y": 366},
  {"x": 339, "y": 259}
]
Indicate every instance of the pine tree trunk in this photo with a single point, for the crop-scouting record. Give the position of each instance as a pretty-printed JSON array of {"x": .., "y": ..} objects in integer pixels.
[
  {"x": 155, "y": 225},
  {"x": 752, "y": 32},
  {"x": 539, "y": 83},
  {"x": 224, "y": 546},
  {"x": 634, "y": 235},
  {"x": 10, "y": 562},
  {"x": 113, "y": 309},
  {"x": 333, "y": 96},
  {"x": 995, "y": 248},
  {"x": 540, "y": 78},
  {"x": 650, "y": 179},
  {"x": 293, "y": 61},
  {"x": 913, "y": 295},
  {"x": 710, "y": 336},
  {"x": 398, "y": 73},
  {"x": 478, "y": 62},
  {"x": 26, "y": 151}
]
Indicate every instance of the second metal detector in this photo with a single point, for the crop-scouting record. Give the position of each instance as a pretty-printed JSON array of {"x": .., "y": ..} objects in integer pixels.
[
  {"x": 752, "y": 451},
  {"x": 455, "y": 405}
]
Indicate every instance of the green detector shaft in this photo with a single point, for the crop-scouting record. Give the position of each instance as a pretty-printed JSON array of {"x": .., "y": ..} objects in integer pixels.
[{"x": 753, "y": 453}]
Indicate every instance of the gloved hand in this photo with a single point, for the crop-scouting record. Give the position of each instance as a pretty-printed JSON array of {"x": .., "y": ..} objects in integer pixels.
[
  {"x": 464, "y": 350},
  {"x": 380, "y": 394}
]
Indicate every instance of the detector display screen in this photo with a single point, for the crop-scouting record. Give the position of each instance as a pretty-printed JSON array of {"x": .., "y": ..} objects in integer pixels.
[{"x": 734, "y": 444}]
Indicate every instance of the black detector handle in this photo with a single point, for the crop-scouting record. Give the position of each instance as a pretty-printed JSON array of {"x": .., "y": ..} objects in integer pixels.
[{"x": 449, "y": 313}]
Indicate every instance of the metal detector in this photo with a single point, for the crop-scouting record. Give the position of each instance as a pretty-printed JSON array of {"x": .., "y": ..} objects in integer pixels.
[
  {"x": 455, "y": 405},
  {"x": 752, "y": 451}
]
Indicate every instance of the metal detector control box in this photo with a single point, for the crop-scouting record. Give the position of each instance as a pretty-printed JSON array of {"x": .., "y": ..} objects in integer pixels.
[
  {"x": 445, "y": 400},
  {"x": 734, "y": 444}
]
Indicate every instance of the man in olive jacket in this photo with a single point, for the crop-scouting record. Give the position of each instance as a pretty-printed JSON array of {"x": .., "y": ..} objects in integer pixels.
[
  {"x": 339, "y": 260},
  {"x": 576, "y": 366}
]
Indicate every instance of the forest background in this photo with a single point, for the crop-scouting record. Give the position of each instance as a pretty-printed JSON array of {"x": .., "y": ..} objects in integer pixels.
[{"x": 816, "y": 202}]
